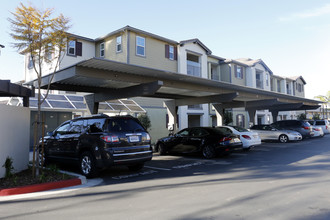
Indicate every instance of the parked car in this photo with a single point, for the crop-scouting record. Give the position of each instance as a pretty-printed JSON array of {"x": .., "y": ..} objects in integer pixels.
[
  {"x": 248, "y": 138},
  {"x": 205, "y": 140},
  {"x": 324, "y": 124},
  {"x": 268, "y": 132},
  {"x": 318, "y": 130},
  {"x": 304, "y": 128},
  {"x": 99, "y": 142}
]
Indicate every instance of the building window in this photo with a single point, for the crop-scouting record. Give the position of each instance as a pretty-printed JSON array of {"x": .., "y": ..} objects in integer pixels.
[
  {"x": 102, "y": 49},
  {"x": 240, "y": 120},
  {"x": 74, "y": 48},
  {"x": 140, "y": 46},
  {"x": 30, "y": 62},
  {"x": 267, "y": 79},
  {"x": 238, "y": 72},
  {"x": 259, "y": 82},
  {"x": 197, "y": 106},
  {"x": 299, "y": 87},
  {"x": 170, "y": 52},
  {"x": 118, "y": 44},
  {"x": 215, "y": 75},
  {"x": 193, "y": 65},
  {"x": 278, "y": 86}
]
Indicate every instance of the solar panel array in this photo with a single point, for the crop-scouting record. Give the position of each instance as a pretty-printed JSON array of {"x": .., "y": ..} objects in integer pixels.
[{"x": 76, "y": 102}]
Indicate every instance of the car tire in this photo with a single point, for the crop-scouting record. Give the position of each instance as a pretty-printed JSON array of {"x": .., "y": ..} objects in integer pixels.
[
  {"x": 87, "y": 165},
  {"x": 283, "y": 138},
  {"x": 136, "y": 167},
  {"x": 208, "y": 151},
  {"x": 161, "y": 149}
]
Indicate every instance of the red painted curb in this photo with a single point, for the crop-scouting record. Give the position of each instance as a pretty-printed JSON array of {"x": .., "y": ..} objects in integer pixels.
[{"x": 39, "y": 187}]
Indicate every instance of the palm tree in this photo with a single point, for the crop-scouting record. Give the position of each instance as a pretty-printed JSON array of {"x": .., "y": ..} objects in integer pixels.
[{"x": 326, "y": 100}]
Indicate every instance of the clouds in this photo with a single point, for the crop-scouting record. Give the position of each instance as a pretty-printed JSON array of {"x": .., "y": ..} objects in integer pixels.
[{"x": 316, "y": 12}]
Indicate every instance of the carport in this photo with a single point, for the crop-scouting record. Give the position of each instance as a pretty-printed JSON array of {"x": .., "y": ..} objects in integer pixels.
[
  {"x": 8, "y": 89},
  {"x": 106, "y": 79}
]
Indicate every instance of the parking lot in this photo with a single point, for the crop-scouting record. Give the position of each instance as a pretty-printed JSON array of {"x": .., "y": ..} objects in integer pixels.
[{"x": 272, "y": 181}]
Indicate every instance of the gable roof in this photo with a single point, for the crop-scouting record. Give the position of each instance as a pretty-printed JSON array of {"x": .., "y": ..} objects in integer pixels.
[
  {"x": 129, "y": 28},
  {"x": 250, "y": 62},
  {"x": 295, "y": 78},
  {"x": 197, "y": 41}
]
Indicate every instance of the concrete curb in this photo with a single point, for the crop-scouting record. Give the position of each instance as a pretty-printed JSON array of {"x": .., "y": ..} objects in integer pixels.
[{"x": 45, "y": 186}]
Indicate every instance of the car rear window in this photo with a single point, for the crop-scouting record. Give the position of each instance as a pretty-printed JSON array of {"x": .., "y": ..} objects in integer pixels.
[
  {"x": 320, "y": 123},
  {"x": 124, "y": 125}
]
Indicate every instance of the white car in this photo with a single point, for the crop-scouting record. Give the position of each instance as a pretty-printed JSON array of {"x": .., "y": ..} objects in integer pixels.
[
  {"x": 248, "y": 138},
  {"x": 268, "y": 133},
  {"x": 318, "y": 131}
]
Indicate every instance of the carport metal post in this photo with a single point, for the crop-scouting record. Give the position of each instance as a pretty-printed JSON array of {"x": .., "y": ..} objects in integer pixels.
[
  {"x": 252, "y": 114},
  {"x": 219, "y": 110},
  {"x": 274, "y": 114},
  {"x": 172, "y": 111}
]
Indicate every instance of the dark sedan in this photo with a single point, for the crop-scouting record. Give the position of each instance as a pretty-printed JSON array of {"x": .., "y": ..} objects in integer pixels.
[{"x": 205, "y": 140}]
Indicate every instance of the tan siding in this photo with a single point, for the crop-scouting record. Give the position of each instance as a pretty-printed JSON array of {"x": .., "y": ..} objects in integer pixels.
[
  {"x": 110, "y": 49},
  {"x": 235, "y": 80},
  {"x": 154, "y": 54}
]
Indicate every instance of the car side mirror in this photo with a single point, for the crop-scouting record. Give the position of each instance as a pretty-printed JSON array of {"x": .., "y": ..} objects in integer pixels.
[{"x": 50, "y": 133}]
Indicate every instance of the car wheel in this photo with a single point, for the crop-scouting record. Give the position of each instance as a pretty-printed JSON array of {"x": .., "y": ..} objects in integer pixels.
[
  {"x": 283, "y": 138},
  {"x": 87, "y": 165},
  {"x": 161, "y": 149},
  {"x": 136, "y": 167},
  {"x": 208, "y": 151}
]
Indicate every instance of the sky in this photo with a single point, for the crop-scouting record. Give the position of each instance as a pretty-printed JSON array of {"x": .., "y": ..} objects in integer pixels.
[{"x": 291, "y": 37}]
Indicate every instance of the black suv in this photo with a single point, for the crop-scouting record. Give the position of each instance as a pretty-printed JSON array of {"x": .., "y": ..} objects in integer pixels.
[
  {"x": 303, "y": 127},
  {"x": 99, "y": 141}
]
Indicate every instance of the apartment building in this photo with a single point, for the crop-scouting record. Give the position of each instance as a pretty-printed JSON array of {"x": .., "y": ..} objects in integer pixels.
[{"x": 190, "y": 57}]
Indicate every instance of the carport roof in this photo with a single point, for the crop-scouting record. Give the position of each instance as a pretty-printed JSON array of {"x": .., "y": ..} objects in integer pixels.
[
  {"x": 97, "y": 75},
  {"x": 8, "y": 89}
]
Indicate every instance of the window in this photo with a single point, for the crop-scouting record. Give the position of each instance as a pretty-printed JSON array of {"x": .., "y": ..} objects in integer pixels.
[
  {"x": 197, "y": 106},
  {"x": 102, "y": 49},
  {"x": 74, "y": 48},
  {"x": 267, "y": 79},
  {"x": 278, "y": 86},
  {"x": 215, "y": 72},
  {"x": 259, "y": 81},
  {"x": 239, "y": 72},
  {"x": 30, "y": 62},
  {"x": 140, "y": 46},
  {"x": 170, "y": 52},
  {"x": 240, "y": 120},
  {"x": 193, "y": 65},
  {"x": 118, "y": 44}
]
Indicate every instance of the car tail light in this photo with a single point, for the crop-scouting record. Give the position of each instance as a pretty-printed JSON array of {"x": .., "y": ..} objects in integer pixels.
[
  {"x": 246, "y": 137},
  {"x": 317, "y": 129},
  {"x": 223, "y": 140},
  {"x": 110, "y": 139},
  {"x": 306, "y": 127}
]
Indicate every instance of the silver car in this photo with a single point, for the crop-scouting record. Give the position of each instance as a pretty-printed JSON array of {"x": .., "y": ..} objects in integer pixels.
[{"x": 268, "y": 132}]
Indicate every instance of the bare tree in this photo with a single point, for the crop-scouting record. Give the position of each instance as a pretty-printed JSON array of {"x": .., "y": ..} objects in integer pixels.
[{"x": 44, "y": 39}]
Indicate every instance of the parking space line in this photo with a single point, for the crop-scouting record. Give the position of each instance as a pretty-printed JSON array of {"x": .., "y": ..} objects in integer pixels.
[{"x": 157, "y": 168}]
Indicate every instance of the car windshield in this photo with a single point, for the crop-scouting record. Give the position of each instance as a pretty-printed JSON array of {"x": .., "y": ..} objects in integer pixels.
[
  {"x": 240, "y": 129},
  {"x": 124, "y": 124}
]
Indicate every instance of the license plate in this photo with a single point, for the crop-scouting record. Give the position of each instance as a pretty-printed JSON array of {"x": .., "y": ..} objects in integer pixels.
[{"x": 134, "y": 139}]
